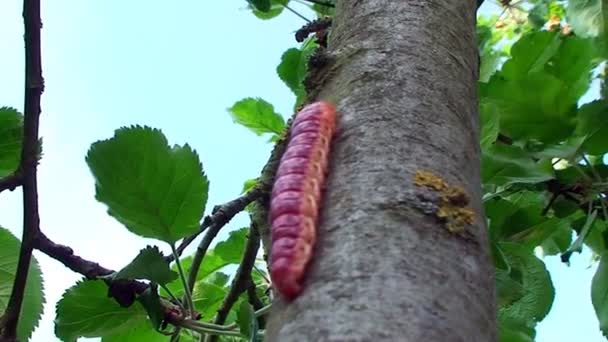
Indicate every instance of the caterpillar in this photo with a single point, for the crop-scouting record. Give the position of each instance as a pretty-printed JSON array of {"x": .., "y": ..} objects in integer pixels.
[{"x": 296, "y": 195}]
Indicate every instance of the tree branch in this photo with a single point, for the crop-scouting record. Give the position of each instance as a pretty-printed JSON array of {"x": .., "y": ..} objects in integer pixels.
[
  {"x": 34, "y": 86},
  {"x": 124, "y": 291},
  {"x": 242, "y": 278},
  {"x": 222, "y": 214}
]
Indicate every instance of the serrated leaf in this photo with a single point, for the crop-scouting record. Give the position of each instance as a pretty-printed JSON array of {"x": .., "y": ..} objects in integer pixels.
[
  {"x": 258, "y": 116},
  {"x": 231, "y": 250},
  {"x": 587, "y": 17},
  {"x": 504, "y": 165},
  {"x": 85, "y": 310},
  {"x": 11, "y": 137},
  {"x": 535, "y": 304},
  {"x": 140, "y": 330},
  {"x": 33, "y": 301},
  {"x": 149, "y": 264},
  {"x": 154, "y": 190}
]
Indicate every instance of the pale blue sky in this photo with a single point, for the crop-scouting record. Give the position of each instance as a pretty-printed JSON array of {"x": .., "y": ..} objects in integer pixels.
[{"x": 177, "y": 67}]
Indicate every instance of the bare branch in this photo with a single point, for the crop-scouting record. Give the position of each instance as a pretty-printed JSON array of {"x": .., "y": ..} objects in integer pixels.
[{"x": 34, "y": 86}]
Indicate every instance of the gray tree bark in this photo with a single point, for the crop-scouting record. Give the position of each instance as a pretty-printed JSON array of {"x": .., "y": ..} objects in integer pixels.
[{"x": 404, "y": 79}]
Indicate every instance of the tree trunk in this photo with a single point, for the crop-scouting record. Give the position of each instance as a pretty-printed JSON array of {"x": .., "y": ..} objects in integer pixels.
[{"x": 403, "y": 75}]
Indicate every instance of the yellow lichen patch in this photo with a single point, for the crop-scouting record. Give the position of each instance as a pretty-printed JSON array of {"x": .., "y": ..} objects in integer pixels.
[
  {"x": 429, "y": 179},
  {"x": 452, "y": 204},
  {"x": 456, "y": 218}
]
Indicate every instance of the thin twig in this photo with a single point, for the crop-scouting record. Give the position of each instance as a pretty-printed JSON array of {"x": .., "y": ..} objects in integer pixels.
[
  {"x": 221, "y": 215},
  {"x": 297, "y": 14},
  {"x": 12, "y": 181},
  {"x": 242, "y": 278},
  {"x": 34, "y": 86},
  {"x": 124, "y": 291}
]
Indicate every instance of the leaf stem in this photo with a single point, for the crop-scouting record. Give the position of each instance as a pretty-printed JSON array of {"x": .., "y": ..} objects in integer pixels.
[
  {"x": 263, "y": 310},
  {"x": 175, "y": 299},
  {"x": 182, "y": 276},
  {"x": 195, "y": 326}
]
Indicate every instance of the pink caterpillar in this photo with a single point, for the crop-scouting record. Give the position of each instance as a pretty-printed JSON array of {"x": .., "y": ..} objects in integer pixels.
[{"x": 296, "y": 195}]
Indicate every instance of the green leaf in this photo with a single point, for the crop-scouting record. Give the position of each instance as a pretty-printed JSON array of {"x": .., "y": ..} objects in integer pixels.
[
  {"x": 599, "y": 293},
  {"x": 530, "y": 271},
  {"x": 490, "y": 126},
  {"x": 33, "y": 300},
  {"x": 513, "y": 331},
  {"x": 231, "y": 250},
  {"x": 593, "y": 125},
  {"x": 85, "y": 310},
  {"x": 577, "y": 246},
  {"x": 530, "y": 54},
  {"x": 265, "y": 13},
  {"x": 257, "y": 115},
  {"x": 538, "y": 106},
  {"x": 514, "y": 214},
  {"x": 498, "y": 257},
  {"x": 11, "y": 137},
  {"x": 261, "y": 5},
  {"x": 140, "y": 330},
  {"x": 504, "y": 165},
  {"x": 597, "y": 239},
  {"x": 490, "y": 60},
  {"x": 155, "y": 190},
  {"x": 149, "y": 264},
  {"x": 587, "y": 17},
  {"x": 151, "y": 302},
  {"x": 207, "y": 298},
  {"x": 211, "y": 263},
  {"x": 293, "y": 68},
  {"x": 558, "y": 241},
  {"x": 573, "y": 64},
  {"x": 246, "y": 320},
  {"x": 508, "y": 289},
  {"x": 249, "y": 184}
]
